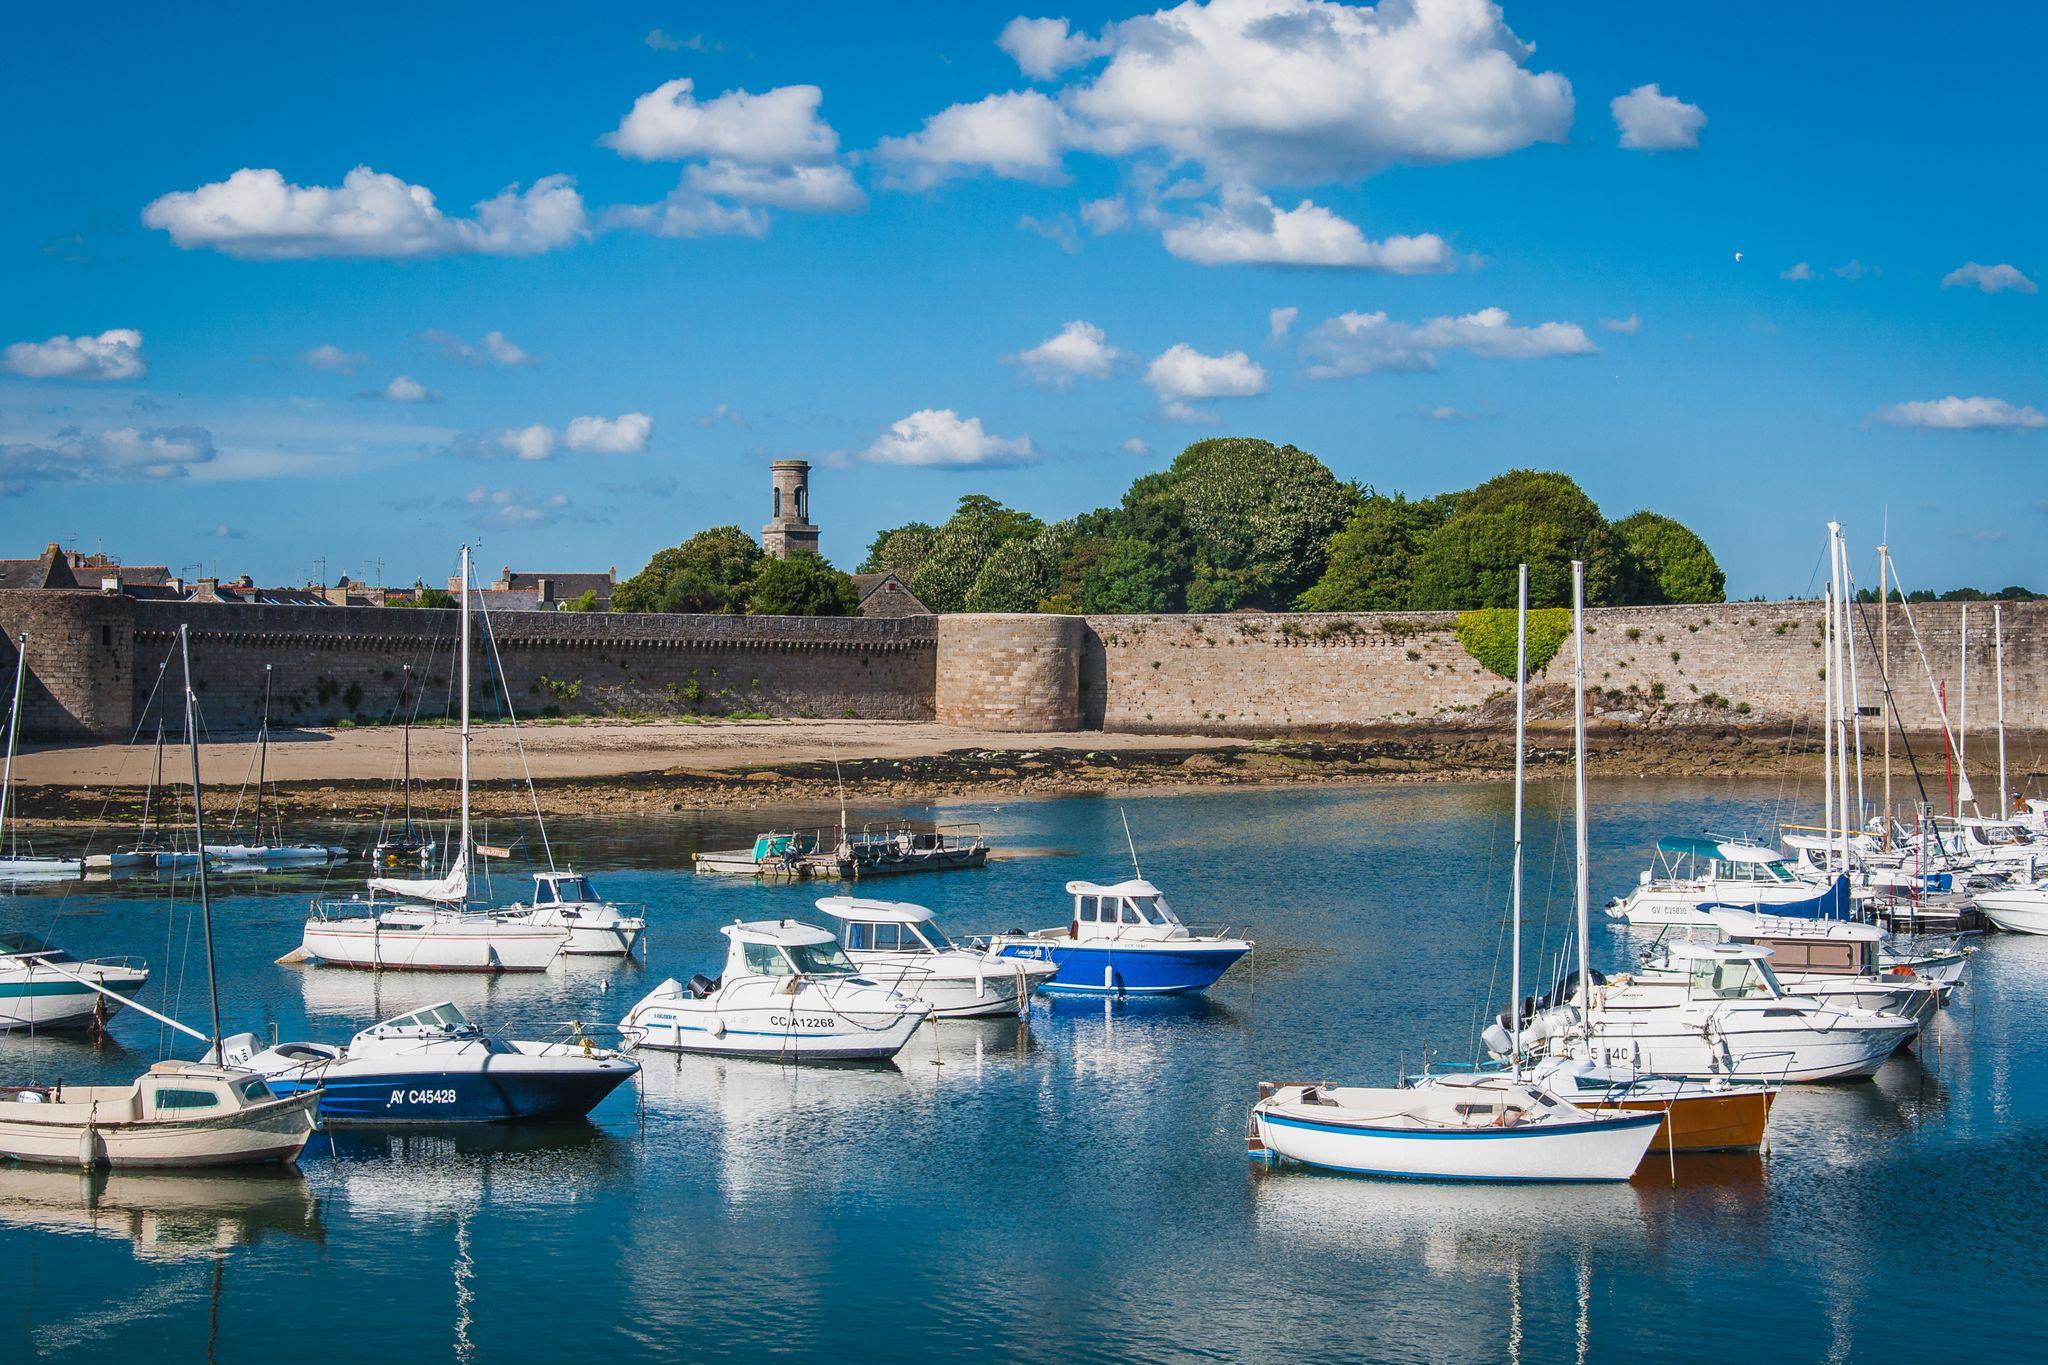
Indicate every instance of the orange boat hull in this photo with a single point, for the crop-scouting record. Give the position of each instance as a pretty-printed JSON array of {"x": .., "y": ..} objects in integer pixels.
[{"x": 1727, "y": 1122}]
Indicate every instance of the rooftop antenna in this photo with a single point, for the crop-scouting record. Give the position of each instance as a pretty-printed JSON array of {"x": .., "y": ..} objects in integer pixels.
[{"x": 1131, "y": 844}]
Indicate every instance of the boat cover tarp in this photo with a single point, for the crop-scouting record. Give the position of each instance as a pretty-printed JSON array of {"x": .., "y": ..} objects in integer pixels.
[
  {"x": 1832, "y": 903},
  {"x": 448, "y": 890},
  {"x": 1718, "y": 850}
]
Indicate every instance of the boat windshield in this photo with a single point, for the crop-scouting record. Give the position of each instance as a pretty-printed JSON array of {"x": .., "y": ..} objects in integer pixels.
[
  {"x": 566, "y": 890},
  {"x": 820, "y": 959},
  {"x": 435, "y": 1017},
  {"x": 934, "y": 937},
  {"x": 1155, "y": 910},
  {"x": 1733, "y": 978}
]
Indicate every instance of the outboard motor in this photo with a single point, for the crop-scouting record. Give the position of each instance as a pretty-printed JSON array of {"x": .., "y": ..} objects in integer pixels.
[{"x": 702, "y": 986}]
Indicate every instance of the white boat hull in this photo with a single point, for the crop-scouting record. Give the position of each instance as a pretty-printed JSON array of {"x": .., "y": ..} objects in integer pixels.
[
  {"x": 32, "y": 998},
  {"x": 264, "y": 855},
  {"x": 67, "y": 1135},
  {"x": 456, "y": 943},
  {"x": 42, "y": 867},
  {"x": 1597, "y": 1149},
  {"x": 2022, "y": 911},
  {"x": 1853, "y": 1048},
  {"x": 756, "y": 1018},
  {"x": 588, "y": 931},
  {"x": 1001, "y": 985}
]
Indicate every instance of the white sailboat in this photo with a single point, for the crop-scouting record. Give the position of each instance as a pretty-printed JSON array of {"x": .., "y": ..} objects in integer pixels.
[
  {"x": 175, "y": 1114},
  {"x": 15, "y": 862},
  {"x": 274, "y": 852},
  {"x": 150, "y": 849},
  {"x": 1490, "y": 1127},
  {"x": 429, "y": 927}
]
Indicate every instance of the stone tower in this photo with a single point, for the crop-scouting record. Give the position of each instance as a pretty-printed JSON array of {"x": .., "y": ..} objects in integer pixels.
[{"x": 789, "y": 530}]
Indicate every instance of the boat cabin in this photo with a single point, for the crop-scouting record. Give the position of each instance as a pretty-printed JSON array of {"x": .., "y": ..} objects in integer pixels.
[
  {"x": 1695, "y": 858},
  {"x": 563, "y": 888},
  {"x": 1726, "y": 971},
  {"x": 1815, "y": 948},
  {"x": 868, "y": 926},
  {"x": 782, "y": 948},
  {"x": 1126, "y": 909},
  {"x": 435, "y": 1021}
]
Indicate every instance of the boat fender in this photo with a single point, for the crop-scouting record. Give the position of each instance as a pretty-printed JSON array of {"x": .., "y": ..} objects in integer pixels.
[{"x": 717, "y": 1028}]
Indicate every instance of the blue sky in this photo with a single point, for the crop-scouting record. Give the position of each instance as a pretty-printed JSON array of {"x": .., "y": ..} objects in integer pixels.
[{"x": 849, "y": 236}]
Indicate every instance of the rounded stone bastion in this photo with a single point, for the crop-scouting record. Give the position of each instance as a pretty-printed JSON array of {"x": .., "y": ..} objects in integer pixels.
[
  {"x": 81, "y": 662},
  {"x": 1010, "y": 672}
]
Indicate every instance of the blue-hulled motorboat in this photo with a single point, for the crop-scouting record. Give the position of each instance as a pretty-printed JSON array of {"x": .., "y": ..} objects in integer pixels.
[{"x": 1124, "y": 939}]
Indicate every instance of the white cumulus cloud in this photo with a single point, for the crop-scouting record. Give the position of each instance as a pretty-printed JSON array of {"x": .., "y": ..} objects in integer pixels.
[
  {"x": 115, "y": 354},
  {"x": 1135, "y": 446},
  {"x": 1279, "y": 322},
  {"x": 406, "y": 389},
  {"x": 504, "y": 351},
  {"x": 1627, "y": 326},
  {"x": 329, "y": 356},
  {"x": 778, "y": 127},
  {"x": 800, "y": 189},
  {"x": 110, "y": 454},
  {"x": 257, "y": 215},
  {"x": 625, "y": 435},
  {"x": 1652, "y": 121},
  {"x": 1364, "y": 343},
  {"x": 688, "y": 213},
  {"x": 535, "y": 442},
  {"x": 1043, "y": 48},
  {"x": 1020, "y": 135},
  {"x": 1247, "y": 229},
  {"x": 1963, "y": 414},
  {"x": 1992, "y": 279},
  {"x": 512, "y": 509},
  {"x": 1080, "y": 350},
  {"x": 941, "y": 437},
  {"x": 1181, "y": 372},
  {"x": 1798, "y": 272}
]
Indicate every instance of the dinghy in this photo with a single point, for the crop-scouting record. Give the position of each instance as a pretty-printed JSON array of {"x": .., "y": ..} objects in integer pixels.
[
  {"x": 900, "y": 946},
  {"x": 787, "y": 994}
]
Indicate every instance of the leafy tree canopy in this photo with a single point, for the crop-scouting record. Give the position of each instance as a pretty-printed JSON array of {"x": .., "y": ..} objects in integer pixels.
[
  {"x": 1673, "y": 564},
  {"x": 962, "y": 548},
  {"x": 424, "y": 596},
  {"x": 1523, "y": 516},
  {"x": 1024, "y": 572},
  {"x": 583, "y": 601},
  {"x": 802, "y": 585},
  {"x": 1489, "y": 636},
  {"x": 1260, "y": 518},
  {"x": 901, "y": 551},
  {"x": 713, "y": 571},
  {"x": 1372, "y": 560}
]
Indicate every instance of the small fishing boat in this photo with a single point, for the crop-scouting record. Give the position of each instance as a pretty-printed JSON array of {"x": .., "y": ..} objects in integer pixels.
[
  {"x": 17, "y": 863},
  {"x": 44, "y": 987},
  {"x": 787, "y": 994},
  {"x": 1837, "y": 961},
  {"x": 775, "y": 855},
  {"x": 177, "y": 1113},
  {"x": 1489, "y": 1128},
  {"x": 150, "y": 849},
  {"x": 433, "y": 1065},
  {"x": 900, "y": 946},
  {"x": 595, "y": 927},
  {"x": 1715, "y": 1115},
  {"x": 893, "y": 852},
  {"x": 1124, "y": 939}
]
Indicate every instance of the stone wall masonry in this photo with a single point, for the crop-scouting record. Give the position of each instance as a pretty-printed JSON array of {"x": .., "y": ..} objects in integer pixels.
[
  {"x": 1746, "y": 662},
  {"x": 1015, "y": 673}
]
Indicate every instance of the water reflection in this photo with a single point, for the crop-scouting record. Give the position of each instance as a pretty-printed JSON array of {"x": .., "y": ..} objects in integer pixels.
[{"x": 165, "y": 1216}]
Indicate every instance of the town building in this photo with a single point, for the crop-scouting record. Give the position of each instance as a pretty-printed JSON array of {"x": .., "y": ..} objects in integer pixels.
[
  {"x": 884, "y": 594},
  {"x": 533, "y": 591}
]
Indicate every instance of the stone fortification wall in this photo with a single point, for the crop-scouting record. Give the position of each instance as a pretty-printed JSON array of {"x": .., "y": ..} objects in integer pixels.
[
  {"x": 1745, "y": 662},
  {"x": 95, "y": 659},
  {"x": 1017, "y": 673}
]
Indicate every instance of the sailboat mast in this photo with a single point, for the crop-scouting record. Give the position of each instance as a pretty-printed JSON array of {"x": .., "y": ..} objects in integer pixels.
[
  {"x": 155, "y": 780},
  {"x": 1884, "y": 674},
  {"x": 464, "y": 850},
  {"x": 1583, "y": 880},
  {"x": 199, "y": 834},
  {"x": 262, "y": 752},
  {"x": 1998, "y": 679},
  {"x": 1963, "y": 711},
  {"x": 1842, "y": 702},
  {"x": 1521, "y": 726},
  {"x": 1827, "y": 729},
  {"x": 13, "y": 732},
  {"x": 404, "y": 685},
  {"x": 1855, "y": 681}
]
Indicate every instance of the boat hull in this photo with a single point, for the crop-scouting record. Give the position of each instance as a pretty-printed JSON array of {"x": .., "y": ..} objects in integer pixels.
[
  {"x": 272, "y": 1132},
  {"x": 1732, "y": 1122},
  {"x": 45, "y": 1000},
  {"x": 41, "y": 867},
  {"x": 1607, "y": 1150},
  {"x": 800, "y": 1032},
  {"x": 1174, "y": 967},
  {"x": 1848, "y": 1052},
  {"x": 2016, "y": 912},
  {"x": 377, "y": 1094},
  {"x": 453, "y": 947}
]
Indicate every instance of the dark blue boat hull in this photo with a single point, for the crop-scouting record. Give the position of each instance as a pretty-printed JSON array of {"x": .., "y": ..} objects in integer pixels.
[
  {"x": 1093, "y": 969},
  {"x": 465, "y": 1097}
]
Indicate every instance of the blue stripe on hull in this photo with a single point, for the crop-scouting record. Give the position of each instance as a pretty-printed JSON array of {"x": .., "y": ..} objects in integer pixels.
[
  {"x": 1131, "y": 970},
  {"x": 463, "y": 1098}
]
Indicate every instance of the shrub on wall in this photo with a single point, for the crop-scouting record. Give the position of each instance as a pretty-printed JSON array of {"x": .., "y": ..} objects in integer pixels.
[
  {"x": 1673, "y": 564},
  {"x": 1488, "y": 635}
]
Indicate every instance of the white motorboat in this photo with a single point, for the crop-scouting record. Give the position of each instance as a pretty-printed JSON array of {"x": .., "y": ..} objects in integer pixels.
[
  {"x": 178, "y": 1113},
  {"x": 1487, "y": 1128},
  {"x": 43, "y": 987},
  {"x": 1123, "y": 939},
  {"x": 17, "y": 863},
  {"x": 900, "y": 946},
  {"x": 429, "y": 927},
  {"x": 1692, "y": 873},
  {"x": 596, "y": 927},
  {"x": 2017, "y": 909},
  {"x": 433, "y": 1065},
  {"x": 1717, "y": 1011},
  {"x": 1837, "y": 961},
  {"x": 787, "y": 993}
]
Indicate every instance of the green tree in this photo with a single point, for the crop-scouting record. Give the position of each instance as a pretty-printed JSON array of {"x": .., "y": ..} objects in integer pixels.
[
  {"x": 802, "y": 585},
  {"x": 1673, "y": 564},
  {"x": 901, "y": 551},
  {"x": 1528, "y": 517},
  {"x": 1024, "y": 572},
  {"x": 1372, "y": 560},
  {"x": 424, "y": 596},
  {"x": 1489, "y": 636},
  {"x": 1260, "y": 518},
  {"x": 713, "y": 572},
  {"x": 1132, "y": 576},
  {"x": 964, "y": 546},
  {"x": 583, "y": 601}
]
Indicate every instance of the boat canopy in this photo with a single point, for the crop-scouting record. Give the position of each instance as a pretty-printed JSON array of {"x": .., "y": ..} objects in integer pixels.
[
  {"x": 1748, "y": 924},
  {"x": 26, "y": 945},
  {"x": 442, "y": 1018},
  {"x": 873, "y": 912},
  {"x": 1717, "y": 850},
  {"x": 784, "y": 933},
  {"x": 1135, "y": 886},
  {"x": 1688, "y": 951},
  {"x": 562, "y": 888}
]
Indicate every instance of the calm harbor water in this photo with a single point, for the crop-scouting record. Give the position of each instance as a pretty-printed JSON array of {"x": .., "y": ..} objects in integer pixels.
[{"x": 1071, "y": 1186}]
